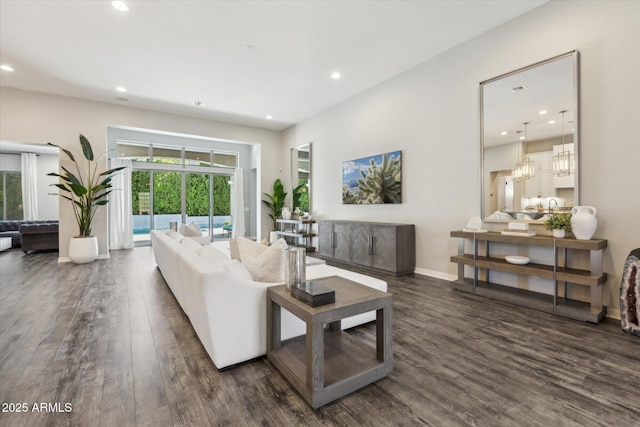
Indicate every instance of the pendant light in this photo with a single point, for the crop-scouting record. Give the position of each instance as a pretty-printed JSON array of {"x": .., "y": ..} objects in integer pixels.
[
  {"x": 516, "y": 172},
  {"x": 527, "y": 166},
  {"x": 562, "y": 160}
]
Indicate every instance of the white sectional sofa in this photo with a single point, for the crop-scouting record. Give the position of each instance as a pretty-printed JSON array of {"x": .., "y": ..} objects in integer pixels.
[{"x": 226, "y": 307}]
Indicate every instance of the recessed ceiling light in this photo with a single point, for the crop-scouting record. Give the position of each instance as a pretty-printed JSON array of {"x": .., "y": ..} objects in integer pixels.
[
  {"x": 522, "y": 138},
  {"x": 120, "y": 5},
  {"x": 121, "y": 89},
  {"x": 198, "y": 103},
  {"x": 268, "y": 117},
  {"x": 504, "y": 132},
  {"x": 518, "y": 88},
  {"x": 542, "y": 112},
  {"x": 335, "y": 76},
  {"x": 551, "y": 122},
  {"x": 6, "y": 67},
  {"x": 248, "y": 46},
  {"x": 122, "y": 98}
]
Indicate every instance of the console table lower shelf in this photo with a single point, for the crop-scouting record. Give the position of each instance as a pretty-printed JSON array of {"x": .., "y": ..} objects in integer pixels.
[
  {"x": 327, "y": 363},
  {"x": 524, "y": 298}
]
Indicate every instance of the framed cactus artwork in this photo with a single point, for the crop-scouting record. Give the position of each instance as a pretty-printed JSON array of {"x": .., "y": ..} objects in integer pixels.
[{"x": 372, "y": 180}]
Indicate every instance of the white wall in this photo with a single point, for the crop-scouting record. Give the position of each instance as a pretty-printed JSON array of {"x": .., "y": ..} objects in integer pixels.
[
  {"x": 45, "y": 163},
  {"x": 39, "y": 118},
  {"x": 431, "y": 113}
]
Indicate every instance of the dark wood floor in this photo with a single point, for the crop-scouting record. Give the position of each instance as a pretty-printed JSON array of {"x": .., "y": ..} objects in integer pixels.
[{"x": 109, "y": 340}]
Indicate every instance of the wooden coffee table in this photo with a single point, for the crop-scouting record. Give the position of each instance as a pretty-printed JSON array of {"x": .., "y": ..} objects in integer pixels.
[{"x": 327, "y": 363}]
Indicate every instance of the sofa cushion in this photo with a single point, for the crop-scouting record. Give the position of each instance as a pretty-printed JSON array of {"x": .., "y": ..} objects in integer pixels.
[
  {"x": 191, "y": 244},
  {"x": 265, "y": 263}
]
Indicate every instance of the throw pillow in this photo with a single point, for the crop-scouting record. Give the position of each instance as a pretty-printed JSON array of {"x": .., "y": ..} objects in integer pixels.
[
  {"x": 234, "y": 249},
  {"x": 191, "y": 244},
  {"x": 191, "y": 230},
  {"x": 236, "y": 268},
  {"x": 210, "y": 253},
  {"x": 265, "y": 263},
  {"x": 174, "y": 235}
]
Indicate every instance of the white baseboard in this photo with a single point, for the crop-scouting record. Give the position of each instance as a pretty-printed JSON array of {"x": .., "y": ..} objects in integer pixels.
[{"x": 436, "y": 274}]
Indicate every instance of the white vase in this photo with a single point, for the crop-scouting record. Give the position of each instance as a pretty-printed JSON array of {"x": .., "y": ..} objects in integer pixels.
[
  {"x": 83, "y": 249},
  {"x": 286, "y": 213},
  {"x": 583, "y": 222},
  {"x": 273, "y": 237},
  {"x": 558, "y": 234}
]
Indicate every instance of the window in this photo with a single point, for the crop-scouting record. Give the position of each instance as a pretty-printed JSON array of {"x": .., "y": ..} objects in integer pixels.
[{"x": 11, "y": 195}]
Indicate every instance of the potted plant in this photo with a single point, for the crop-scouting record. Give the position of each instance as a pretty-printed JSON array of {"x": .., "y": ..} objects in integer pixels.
[
  {"x": 275, "y": 203},
  {"x": 558, "y": 224},
  {"x": 86, "y": 193},
  {"x": 296, "y": 198}
]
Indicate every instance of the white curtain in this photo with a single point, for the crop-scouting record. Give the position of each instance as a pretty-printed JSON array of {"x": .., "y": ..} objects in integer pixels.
[
  {"x": 237, "y": 204},
  {"x": 29, "y": 187},
  {"x": 120, "y": 214}
]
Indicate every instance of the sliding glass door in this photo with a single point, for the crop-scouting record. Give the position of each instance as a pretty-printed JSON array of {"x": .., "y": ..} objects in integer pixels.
[{"x": 162, "y": 197}]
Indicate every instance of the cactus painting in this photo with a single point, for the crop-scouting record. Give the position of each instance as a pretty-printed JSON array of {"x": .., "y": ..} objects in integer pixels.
[{"x": 372, "y": 180}]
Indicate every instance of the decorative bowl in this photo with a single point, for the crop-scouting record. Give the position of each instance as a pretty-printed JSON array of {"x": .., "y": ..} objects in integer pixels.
[{"x": 519, "y": 260}]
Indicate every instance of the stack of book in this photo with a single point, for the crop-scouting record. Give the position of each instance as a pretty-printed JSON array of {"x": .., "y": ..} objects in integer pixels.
[{"x": 518, "y": 229}]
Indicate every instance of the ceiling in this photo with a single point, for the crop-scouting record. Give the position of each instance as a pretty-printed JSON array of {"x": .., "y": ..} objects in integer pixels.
[{"x": 245, "y": 60}]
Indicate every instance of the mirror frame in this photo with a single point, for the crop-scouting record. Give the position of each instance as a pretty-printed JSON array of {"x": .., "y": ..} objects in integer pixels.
[
  {"x": 294, "y": 170},
  {"x": 576, "y": 133}
]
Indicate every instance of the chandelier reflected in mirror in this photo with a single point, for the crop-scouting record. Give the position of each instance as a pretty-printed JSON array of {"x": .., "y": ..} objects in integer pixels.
[
  {"x": 562, "y": 160},
  {"x": 525, "y": 168}
]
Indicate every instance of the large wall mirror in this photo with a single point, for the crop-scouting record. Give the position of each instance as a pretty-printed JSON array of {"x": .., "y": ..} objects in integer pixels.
[
  {"x": 529, "y": 140},
  {"x": 301, "y": 174}
]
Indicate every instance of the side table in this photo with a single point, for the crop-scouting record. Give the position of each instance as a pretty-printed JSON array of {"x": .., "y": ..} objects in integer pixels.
[{"x": 326, "y": 364}]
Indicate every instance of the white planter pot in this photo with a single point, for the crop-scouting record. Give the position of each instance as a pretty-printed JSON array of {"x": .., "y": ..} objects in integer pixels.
[
  {"x": 583, "y": 222},
  {"x": 83, "y": 249},
  {"x": 273, "y": 237},
  {"x": 558, "y": 234}
]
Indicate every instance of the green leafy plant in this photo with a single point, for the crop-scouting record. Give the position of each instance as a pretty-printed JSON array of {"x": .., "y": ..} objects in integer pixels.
[
  {"x": 86, "y": 192},
  {"x": 275, "y": 201},
  {"x": 559, "y": 222},
  {"x": 297, "y": 194}
]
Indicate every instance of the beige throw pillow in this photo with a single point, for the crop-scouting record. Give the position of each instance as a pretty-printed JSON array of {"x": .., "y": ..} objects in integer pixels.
[
  {"x": 234, "y": 250},
  {"x": 265, "y": 263}
]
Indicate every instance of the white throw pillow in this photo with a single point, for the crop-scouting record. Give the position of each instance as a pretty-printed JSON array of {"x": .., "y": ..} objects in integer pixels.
[
  {"x": 265, "y": 263},
  {"x": 191, "y": 230},
  {"x": 174, "y": 235},
  {"x": 210, "y": 253},
  {"x": 236, "y": 268},
  {"x": 191, "y": 244}
]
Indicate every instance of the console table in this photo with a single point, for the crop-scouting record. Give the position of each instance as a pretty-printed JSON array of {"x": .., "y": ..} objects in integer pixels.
[
  {"x": 301, "y": 234},
  {"x": 390, "y": 248},
  {"x": 483, "y": 262},
  {"x": 324, "y": 365}
]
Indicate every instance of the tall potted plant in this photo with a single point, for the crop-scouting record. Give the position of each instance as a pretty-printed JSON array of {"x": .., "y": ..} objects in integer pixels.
[
  {"x": 275, "y": 202},
  {"x": 86, "y": 193}
]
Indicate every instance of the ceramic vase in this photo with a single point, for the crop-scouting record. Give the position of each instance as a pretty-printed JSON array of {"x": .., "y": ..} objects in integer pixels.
[
  {"x": 286, "y": 213},
  {"x": 83, "y": 249},
  {"x": 558, "y": 234},
  {"x": 583, "y": 222},
  {"x": 273, "y": 237}
]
